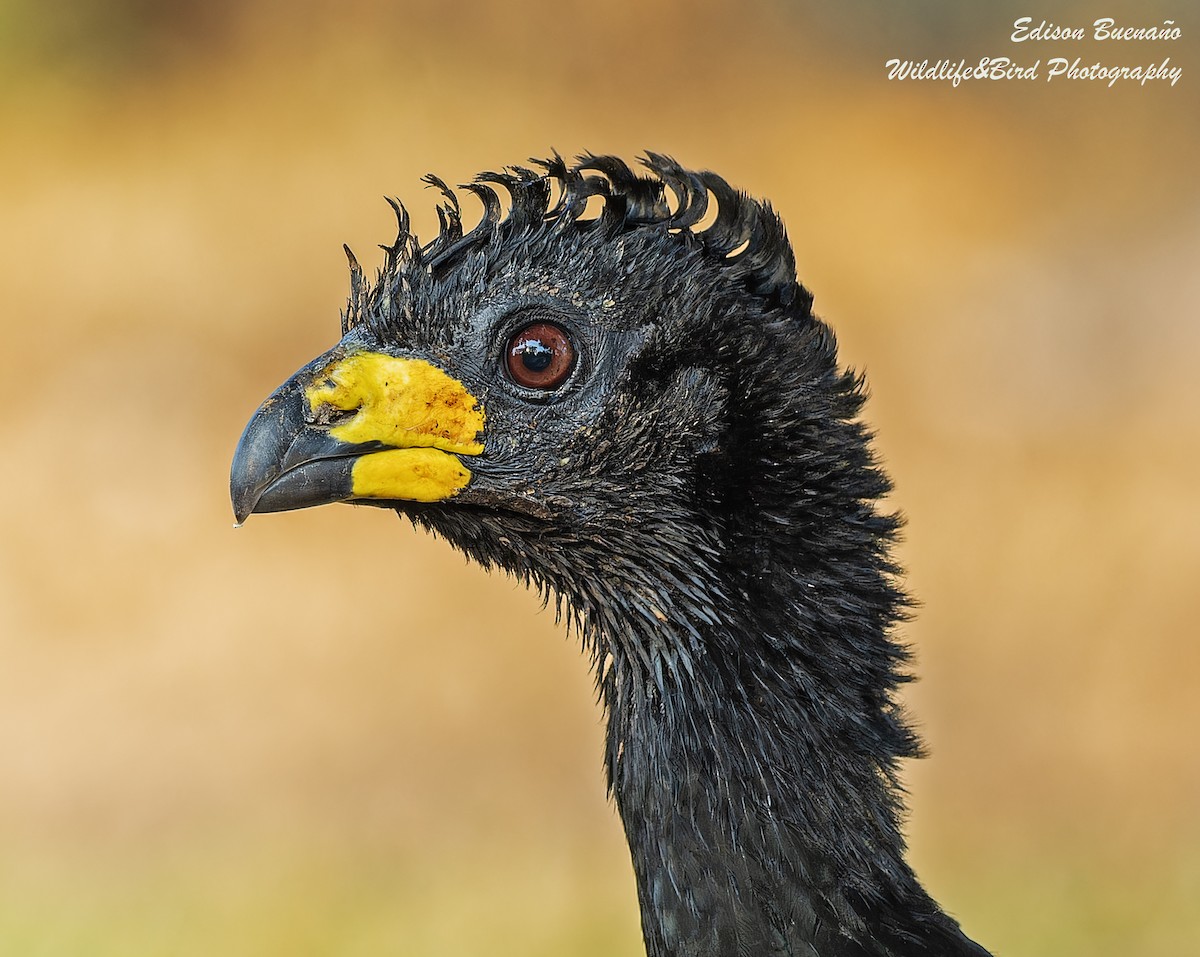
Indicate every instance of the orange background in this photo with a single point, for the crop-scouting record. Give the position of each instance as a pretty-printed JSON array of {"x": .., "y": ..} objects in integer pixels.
[{"x": 325, "y": 733}]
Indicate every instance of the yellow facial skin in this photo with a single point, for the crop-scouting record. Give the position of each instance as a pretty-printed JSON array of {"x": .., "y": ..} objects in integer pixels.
[
  {"x": 415, "y": 475},
  {"x": 427, "y": 416}
]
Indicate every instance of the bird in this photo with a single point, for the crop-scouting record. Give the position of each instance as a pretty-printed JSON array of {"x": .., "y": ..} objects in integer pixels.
[{"x": 614, "y": 388}]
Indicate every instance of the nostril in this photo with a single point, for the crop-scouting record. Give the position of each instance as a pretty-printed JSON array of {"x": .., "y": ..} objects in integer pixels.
[{"x": 329, "y": 416}]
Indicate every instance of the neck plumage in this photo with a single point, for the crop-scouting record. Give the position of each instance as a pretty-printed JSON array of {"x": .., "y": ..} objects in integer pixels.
[
  {"x": 760, "y": 823},
  {"x": 752, "y": 753}
]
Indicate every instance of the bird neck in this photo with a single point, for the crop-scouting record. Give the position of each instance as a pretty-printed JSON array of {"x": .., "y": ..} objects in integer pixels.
[{"x": 752, "y": 758}]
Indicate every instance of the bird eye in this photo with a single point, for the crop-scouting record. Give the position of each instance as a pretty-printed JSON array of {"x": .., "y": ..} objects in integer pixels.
[{"x": 540, "y": 356}]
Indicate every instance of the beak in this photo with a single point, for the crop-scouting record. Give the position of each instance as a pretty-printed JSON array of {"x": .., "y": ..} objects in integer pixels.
[{"x": 357, "y": 426}]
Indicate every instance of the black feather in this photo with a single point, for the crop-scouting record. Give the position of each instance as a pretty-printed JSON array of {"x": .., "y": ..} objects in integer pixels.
[{"x": 631, "y": 202}]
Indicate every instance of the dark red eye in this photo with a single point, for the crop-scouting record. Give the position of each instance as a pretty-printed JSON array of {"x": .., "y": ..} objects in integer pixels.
[{"x": 540, "y": 356}]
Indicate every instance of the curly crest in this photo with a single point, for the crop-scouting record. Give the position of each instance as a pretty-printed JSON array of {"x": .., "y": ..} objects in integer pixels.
[{"x": 745, "y": 236}]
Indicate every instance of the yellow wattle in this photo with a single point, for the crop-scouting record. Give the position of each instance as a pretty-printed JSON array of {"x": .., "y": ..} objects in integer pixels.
[
  {"x": 425, "y": 414},
  {"x": 405, "y": 403},
  {"x": 414, "y": 475}
]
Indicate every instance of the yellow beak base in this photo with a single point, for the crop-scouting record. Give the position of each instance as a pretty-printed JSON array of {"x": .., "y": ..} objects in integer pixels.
[
  {"x": 365, "y": 426},
  {"x": 428, "y": 416}
]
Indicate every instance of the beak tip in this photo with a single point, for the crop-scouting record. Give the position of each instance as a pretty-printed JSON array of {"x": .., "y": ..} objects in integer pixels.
[{"x": 244, "y": 497}]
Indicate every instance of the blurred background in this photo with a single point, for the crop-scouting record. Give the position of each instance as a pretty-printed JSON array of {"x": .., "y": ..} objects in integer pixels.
[{"x": 215, "y": 742}]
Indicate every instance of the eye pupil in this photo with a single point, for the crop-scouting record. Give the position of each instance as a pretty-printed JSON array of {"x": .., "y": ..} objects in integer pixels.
[
  {"x": 536, "y": 357},
  {"x": 540, "y": 356}
]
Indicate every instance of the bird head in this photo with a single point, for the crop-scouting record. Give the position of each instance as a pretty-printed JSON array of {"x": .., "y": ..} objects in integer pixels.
[{"x": 593, "y": 400}]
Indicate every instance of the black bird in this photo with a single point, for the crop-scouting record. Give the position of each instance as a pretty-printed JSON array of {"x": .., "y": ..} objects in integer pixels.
[{"x": 639, "y": 414}]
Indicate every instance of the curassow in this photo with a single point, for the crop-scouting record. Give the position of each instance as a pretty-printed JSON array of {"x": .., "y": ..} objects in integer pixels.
[{"x": 639, "y": 414}]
